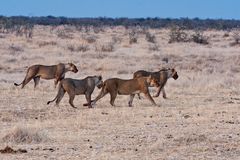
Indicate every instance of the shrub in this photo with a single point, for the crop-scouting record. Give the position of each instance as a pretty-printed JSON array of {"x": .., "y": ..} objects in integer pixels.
[
  {"x": 90, "y": 39},
  {"x": 96, "y": 30},
  {"x": 82, "y": 48},
  {"x": 198, "y": 37},
  {"x": 21, "y": 30},
  {"x": 62, "y": 34},
  {"x": 71, "y": 48},
  {"x": 150, "y": 38},
  {"x": 177, "y": 34},
  {"x": 133, "y": 37},
  {"x": 108, "y": 47},
  {"x": 236, "y": 38},
  {"x": 116, "y": 39},
  {"x": 153, "y": 47},
  {"x": 226, "y": 34}
]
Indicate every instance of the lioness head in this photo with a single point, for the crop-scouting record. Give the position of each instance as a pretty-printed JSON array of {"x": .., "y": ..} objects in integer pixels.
[
  {"x": 174, "y": 74},
  {"x": 72, "y": 67},
  {"x": 153, "y": 81},
  {"x": 98, "y": 81}
]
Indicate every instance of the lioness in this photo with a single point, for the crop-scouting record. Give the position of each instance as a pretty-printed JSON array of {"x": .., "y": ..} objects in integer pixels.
[
  {"x": 162, "y": 75},
  {"x": 77, "y": 87},
  {"x": 130, "y": 87},
  {"x": 56, "y": 72}
]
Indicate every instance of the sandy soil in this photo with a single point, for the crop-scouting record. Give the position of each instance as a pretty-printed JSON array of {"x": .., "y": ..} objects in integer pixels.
[{"x": 199, "y": 120}]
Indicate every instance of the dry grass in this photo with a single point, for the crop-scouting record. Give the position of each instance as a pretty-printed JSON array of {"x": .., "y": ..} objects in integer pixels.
[
  {"x": 24, "y": 135},
  {"x": 199, "y": 120}
]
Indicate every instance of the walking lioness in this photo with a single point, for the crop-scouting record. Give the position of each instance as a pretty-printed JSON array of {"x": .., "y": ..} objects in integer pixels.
[
  {"x": 56, "y": 72},
  {"x": 130, "y": 87},
  {"x": 163, "y": 75},
  {"x": 76, "y": 87}
]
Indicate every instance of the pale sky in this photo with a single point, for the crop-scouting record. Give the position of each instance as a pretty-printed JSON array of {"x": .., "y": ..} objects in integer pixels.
[{"x": 224, "y": 9}]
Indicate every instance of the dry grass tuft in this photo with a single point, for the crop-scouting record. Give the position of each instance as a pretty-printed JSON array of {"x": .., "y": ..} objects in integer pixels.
[
  {"x": 153, "y": 47},
  {"x": 62, "y": 34},
  {"x": 24, "y": 135},
  {"x": 79, "y": 48},
  {"x": 133, "y": 37},
  {"x": 45, "y": 43},
  {"x": 14, "y": 48},
  {"x": 150, "y": 37},
  {"x": 236, "y": 37},
  {"x": 108, "y": 47},
  {"x": 122, "y": 72},
  {"x": 90, "y": 39}
]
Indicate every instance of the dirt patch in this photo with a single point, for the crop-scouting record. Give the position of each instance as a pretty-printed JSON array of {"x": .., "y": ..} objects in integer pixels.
[
  {"x": 8, "y": 149},
  {"x": 191, "y": 139}
]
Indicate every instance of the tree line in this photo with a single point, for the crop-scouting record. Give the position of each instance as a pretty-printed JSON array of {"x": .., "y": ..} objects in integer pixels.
[{"x": 185, "y": 23}]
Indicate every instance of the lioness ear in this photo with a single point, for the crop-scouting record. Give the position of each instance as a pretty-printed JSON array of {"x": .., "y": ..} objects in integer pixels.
[{"x": 100, "y": 77}]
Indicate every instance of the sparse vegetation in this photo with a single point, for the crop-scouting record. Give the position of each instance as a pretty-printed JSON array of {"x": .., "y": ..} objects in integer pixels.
[
  {"x": 236, "y": 38},
  {"x": 153, "y": 47},
  {"x": 8, "y": 23},
  {"x": 150, "y": 37},
  {"x": 15, "y": 48},
  {"x": 133, "y": 37},
  {"x": 90, "y": 39},
  {"x": 24, "y": 135},
  {"x": 199, "y": 119},
  {"x": 198, "y": 37},
  {"x": 78, "y": 48},
  {"x": 62, "y": 34},
  {"x": 47, "y": 43},
  {"x": 177, "y": 34},
  {"x": 107, "y": 47},
  {"x": 180, "y": 35},
  {"x": 226, "y": 35},
  {"x": 116, "y": 39}
]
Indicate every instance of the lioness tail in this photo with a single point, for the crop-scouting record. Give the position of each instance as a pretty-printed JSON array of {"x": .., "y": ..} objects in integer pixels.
[{"x": 17, "y": 84}]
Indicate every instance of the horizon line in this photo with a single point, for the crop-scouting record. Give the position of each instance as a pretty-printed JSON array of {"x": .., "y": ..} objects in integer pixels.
[{"x": 106, "y": 17}]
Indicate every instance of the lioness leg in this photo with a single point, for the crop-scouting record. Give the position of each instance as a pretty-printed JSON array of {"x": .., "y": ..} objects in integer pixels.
[
  {"x": 158, "y": 92},
  {"x": 55, "y": 82},
  {"x": 60, "y": 96},
  {"x": 139, "y": 97},
  {"x": 71, "y": 98},
  {"x": 88, "y": 98},
  {"x": 26, "y": 80},
  {"x": 131, "y": 100},
  {"x": 148, "y": 96},
  {"x": 36, "y": 81},
  {"x": 113, "y": 96},
  {"x": 101, "y": 94},
  {"x": 58, "y": 79},
  {"x": 164, "y": 93}
]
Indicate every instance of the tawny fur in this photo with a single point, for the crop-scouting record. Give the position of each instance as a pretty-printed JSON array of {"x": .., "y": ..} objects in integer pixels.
[
  {"x": 77, "y": 87},
  {"x": 56, "y": 72},
  {"x": 162, "y": 76},
  {"x": 116, "y": 86}
]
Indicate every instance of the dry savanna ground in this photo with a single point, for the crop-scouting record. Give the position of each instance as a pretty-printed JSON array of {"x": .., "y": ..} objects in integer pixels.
[{"x": 200, "y": 119}]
